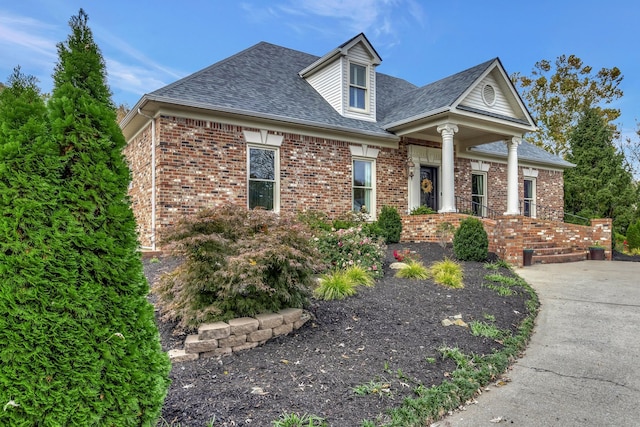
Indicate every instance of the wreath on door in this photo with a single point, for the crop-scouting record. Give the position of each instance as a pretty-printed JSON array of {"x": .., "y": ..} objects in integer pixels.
[{"x": 426, "y": 185}]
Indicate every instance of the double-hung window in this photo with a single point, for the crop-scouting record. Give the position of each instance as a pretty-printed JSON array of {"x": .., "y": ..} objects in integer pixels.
[
  {"x": 530, "y": 197},
  {"x": 357, "y": 86},
  {"x": 363, "y": 186},
  {"x": 479, "y": 193},
  {"x": 263, "y": 178}
]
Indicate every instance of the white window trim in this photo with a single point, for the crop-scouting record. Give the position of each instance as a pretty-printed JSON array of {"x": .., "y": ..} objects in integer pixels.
[
  {"x": 485, "y": 196},
  {"x": 263, "y": 140},
  {"x": 534, "y": 195},
  {"x": 366, "y": 88},
  {"x": 371, "y": 210}
]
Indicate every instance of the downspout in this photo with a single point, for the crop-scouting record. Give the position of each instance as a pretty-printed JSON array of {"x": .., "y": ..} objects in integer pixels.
[{"x": 153, "y": 179}]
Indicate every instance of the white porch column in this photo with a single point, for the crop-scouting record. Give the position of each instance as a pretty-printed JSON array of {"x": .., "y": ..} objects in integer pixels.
[
  {"x": 448, "y": 200},
  {"x": 513, "y": 207}
]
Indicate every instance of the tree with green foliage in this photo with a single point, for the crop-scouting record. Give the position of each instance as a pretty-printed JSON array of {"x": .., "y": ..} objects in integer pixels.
[
  {"x": 558, "y": 93},
  {"x": 601, "y": 185},
  {"x": 80, "y": 344},
  {"x": 633, "y": 236},
  {"x": 33, "y": 265}
]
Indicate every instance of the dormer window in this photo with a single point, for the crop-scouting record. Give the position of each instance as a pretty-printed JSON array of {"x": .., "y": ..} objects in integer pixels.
[{"x": 357, "y": 86}]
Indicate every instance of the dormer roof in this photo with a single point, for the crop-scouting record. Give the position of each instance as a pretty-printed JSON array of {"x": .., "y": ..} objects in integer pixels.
[{"x": 341, "y": 50}]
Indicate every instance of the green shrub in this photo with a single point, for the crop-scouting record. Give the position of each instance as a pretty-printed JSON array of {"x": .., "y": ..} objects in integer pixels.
[
  {"x": 315, "y": 220},
  {"x": 447, "y": 273},
  {"x": 347, "y": 247},
  {"x": 633, "y": 236},
  {"x": 413, "y": 270},
  {"x": 470, "y": 241},
  {"x": 422, "y": 210},
  {"x": 390, "y": 222},
  {"x": 237, "y": 263},
  {"x": 335, "y": 285}
]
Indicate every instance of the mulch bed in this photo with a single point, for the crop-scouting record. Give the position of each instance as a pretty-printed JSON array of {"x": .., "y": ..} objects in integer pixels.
[{"x": 389, "y": 333}]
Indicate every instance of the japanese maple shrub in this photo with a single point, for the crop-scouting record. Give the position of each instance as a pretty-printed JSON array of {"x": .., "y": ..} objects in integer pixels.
[
  {"x": 238, "y": 262},
  {"x": 79, "y": 344},
  {"x": 470, "y": 241}
]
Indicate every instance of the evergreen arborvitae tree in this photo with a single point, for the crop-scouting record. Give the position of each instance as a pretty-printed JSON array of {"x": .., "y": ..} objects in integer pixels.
[
  {"x": 601, "y": 185},
  {"x": 33, "y": 265},
  {"x": 92, "y": 354}
]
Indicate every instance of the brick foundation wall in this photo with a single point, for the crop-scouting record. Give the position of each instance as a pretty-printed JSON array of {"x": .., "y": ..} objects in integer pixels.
[{"x": 509, "y": 235}]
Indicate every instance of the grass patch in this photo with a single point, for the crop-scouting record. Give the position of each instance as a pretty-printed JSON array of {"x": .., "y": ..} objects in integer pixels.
[
  {"x": 497, "y": 265},
  {"x": 502, "y": 284},
  {"x": 295, "y": 420},
  {"x": 413, "y": 270},
  {"x": 447, "y": 273},
  {"x": 483, "y": 329},
  {"x": 378, "y": 388},
  {"x": 472, "y": 372}
]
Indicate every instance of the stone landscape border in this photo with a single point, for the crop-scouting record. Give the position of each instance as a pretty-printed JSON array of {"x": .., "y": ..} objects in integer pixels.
[{"x": 244, "y": 333}]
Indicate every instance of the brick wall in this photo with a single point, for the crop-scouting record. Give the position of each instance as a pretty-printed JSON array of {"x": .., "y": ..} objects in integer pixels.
[
  {"x": 509, "y": 235},
  {"x": 202, "y": 163},
  {"x": 138, "y": 154}
]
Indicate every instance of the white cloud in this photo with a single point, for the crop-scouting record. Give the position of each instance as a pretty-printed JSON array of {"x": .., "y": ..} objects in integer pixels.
[{"x": 136, "y": 80}]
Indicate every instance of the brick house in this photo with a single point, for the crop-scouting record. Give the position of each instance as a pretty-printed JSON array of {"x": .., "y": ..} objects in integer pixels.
[{"x": 287, "y": 131}]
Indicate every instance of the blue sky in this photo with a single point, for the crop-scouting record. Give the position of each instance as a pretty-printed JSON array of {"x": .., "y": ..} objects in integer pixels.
[{"x": 148, "y": 44}]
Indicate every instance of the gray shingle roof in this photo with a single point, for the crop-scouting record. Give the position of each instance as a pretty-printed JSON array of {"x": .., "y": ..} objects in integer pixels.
[
  {"x": 263, "y": 80},
  {"x": 442, "y": 93},
  {"x": 526, "y": 151}
]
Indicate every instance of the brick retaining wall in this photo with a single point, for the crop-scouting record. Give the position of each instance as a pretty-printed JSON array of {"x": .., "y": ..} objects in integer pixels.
[{"x": 510, "y": 234}]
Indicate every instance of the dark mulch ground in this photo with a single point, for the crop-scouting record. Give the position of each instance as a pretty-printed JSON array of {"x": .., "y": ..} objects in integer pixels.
[{"x": 385, "y": 333}]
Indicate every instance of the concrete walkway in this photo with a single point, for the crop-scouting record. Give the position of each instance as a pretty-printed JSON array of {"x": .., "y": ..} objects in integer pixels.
[{"x": 582, "y": 366}]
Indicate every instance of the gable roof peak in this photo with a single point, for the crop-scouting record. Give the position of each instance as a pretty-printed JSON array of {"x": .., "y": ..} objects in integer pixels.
[{"x": 342, "y": 50}]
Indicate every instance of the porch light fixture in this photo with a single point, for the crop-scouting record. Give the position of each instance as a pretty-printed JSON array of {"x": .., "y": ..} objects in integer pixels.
[{"x": 410, "y": 167}]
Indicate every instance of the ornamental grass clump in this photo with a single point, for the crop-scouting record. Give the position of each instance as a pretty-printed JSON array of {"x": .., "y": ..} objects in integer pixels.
[
  {"x": 413, "y": 270},
  {"x": 447, "y": 273},
  {"x": 238, "y": 262},
  {"x": 360, "y": 276},
  {"x": 335, "y": 285}
]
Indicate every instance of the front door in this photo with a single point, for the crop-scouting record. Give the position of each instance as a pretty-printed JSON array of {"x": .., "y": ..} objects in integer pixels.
[{"x": 429, "y": 187}]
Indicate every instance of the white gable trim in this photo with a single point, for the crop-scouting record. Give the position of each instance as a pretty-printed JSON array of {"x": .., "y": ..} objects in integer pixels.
[{"x": 507, "y": 88}]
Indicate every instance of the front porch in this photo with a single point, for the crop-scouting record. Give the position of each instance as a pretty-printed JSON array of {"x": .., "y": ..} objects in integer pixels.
[{"x": 509, "y": 235}]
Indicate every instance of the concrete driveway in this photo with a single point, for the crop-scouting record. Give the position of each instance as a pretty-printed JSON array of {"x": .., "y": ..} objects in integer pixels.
[{"x": 582, "y": 366}]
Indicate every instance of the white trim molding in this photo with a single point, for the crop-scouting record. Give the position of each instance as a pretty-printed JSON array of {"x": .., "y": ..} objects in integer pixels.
[
  {"x": 263, "y": 138},
  {"x": 479, "y": 166},
  {"x": 364, "y": 151},
  {"x": 529, "y": 173}
]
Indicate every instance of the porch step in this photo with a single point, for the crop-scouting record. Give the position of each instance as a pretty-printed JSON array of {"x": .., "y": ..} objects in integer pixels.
[{"x": 555, "y": 258}]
